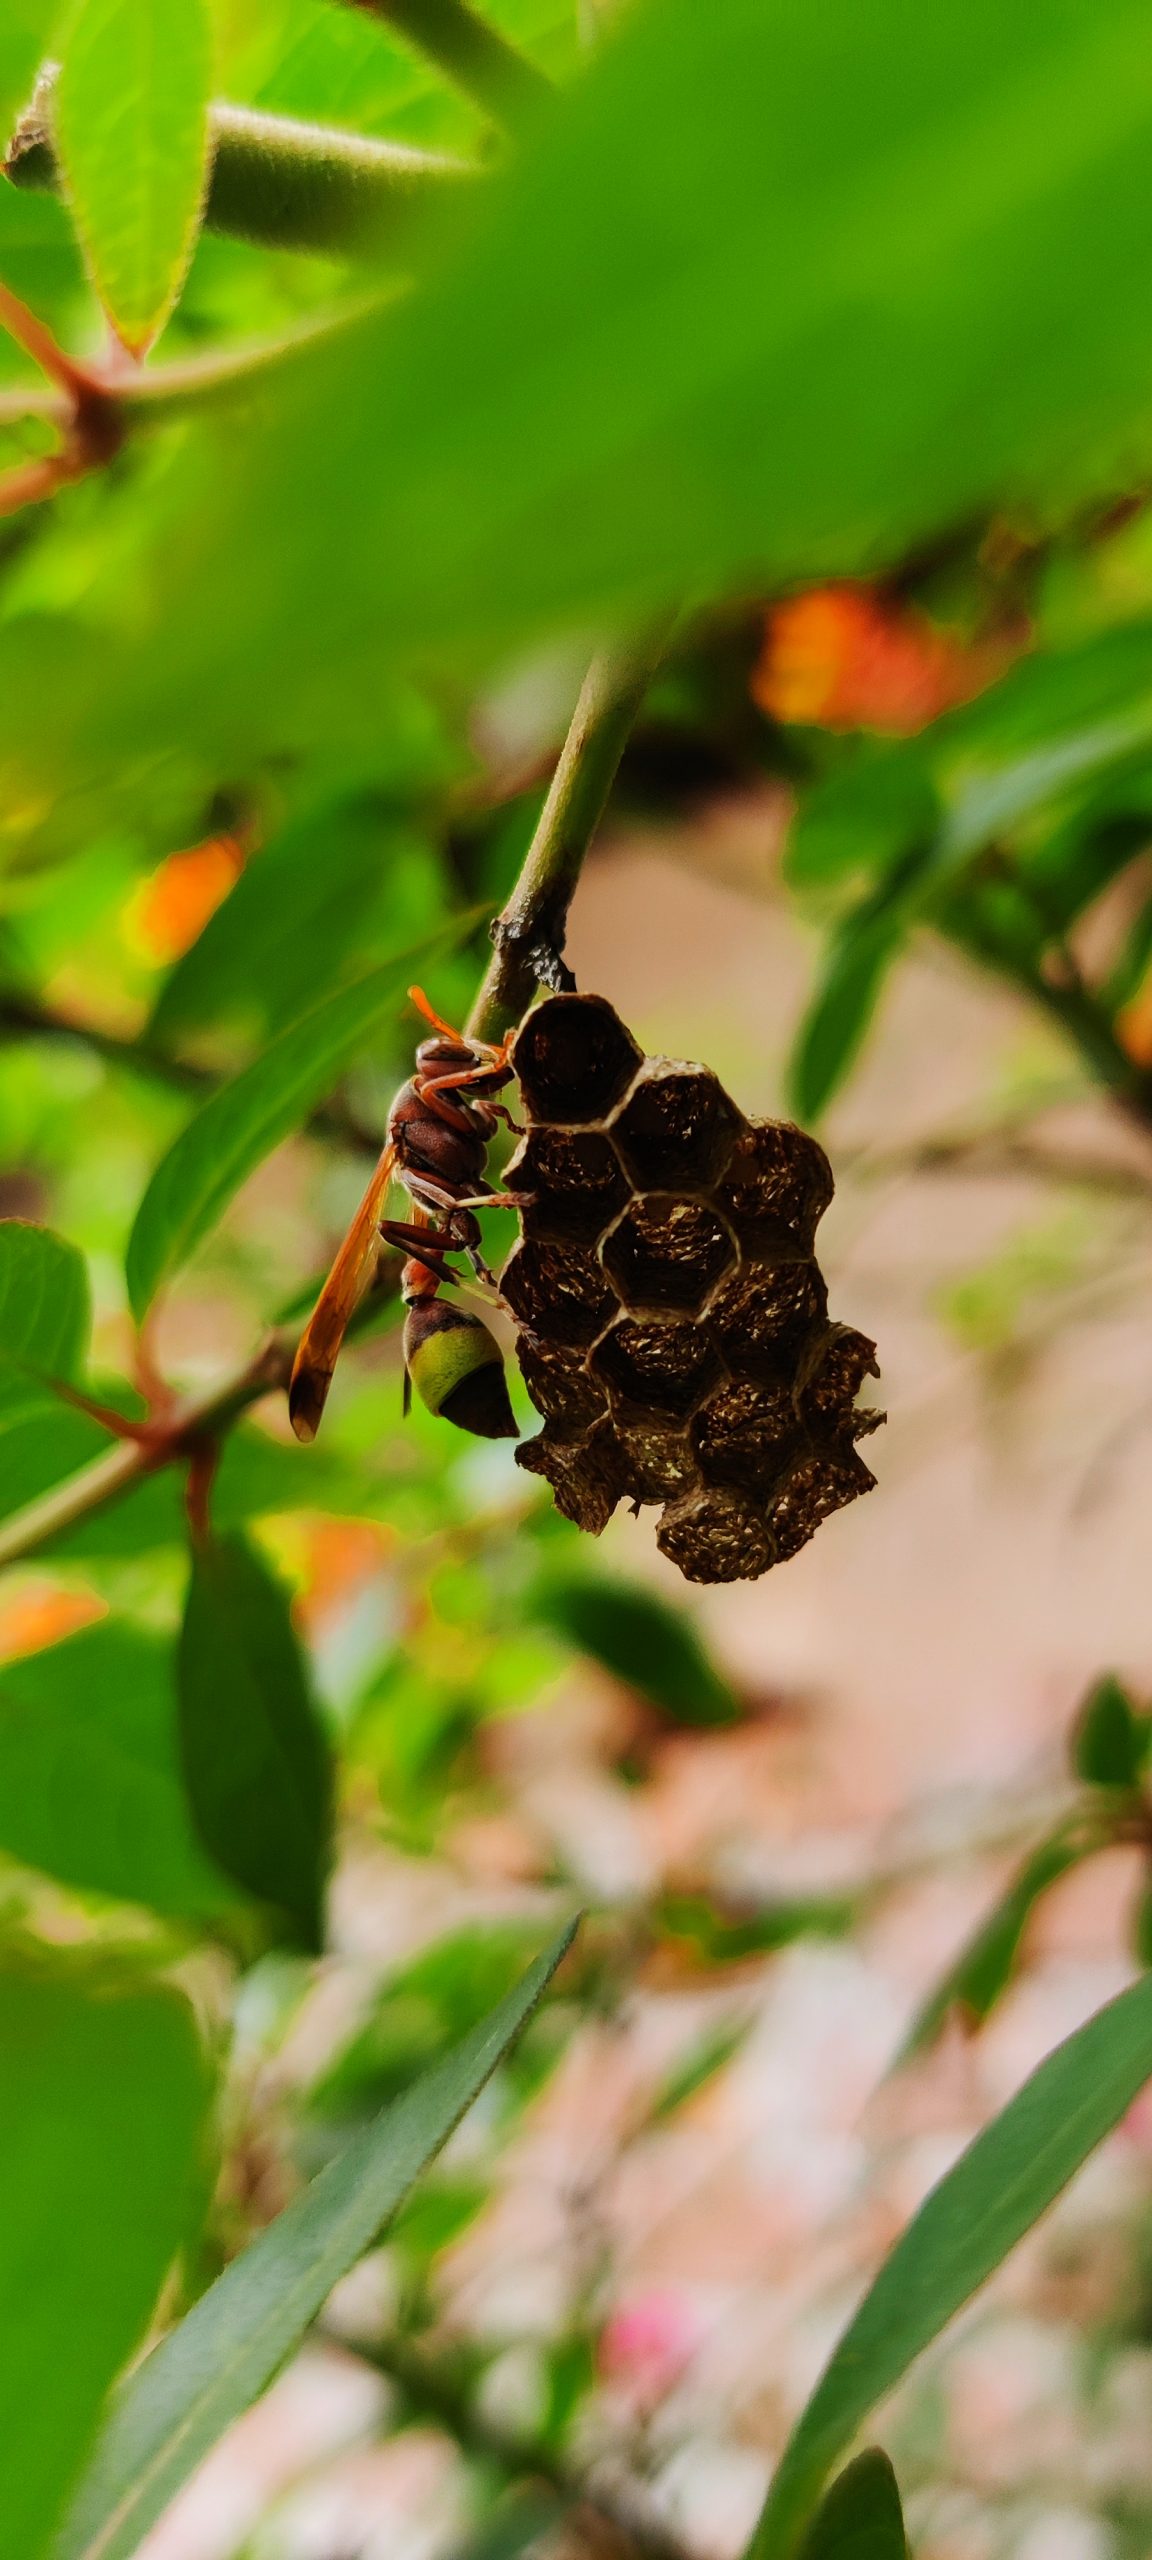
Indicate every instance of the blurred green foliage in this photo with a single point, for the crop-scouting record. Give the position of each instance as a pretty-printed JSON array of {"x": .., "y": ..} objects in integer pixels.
[{"x": 760, "y": 298}]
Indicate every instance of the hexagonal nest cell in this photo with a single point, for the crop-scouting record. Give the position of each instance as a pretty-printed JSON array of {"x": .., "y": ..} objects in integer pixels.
[
  {"x": 668, "y": 1252},
  {"x": 672, "y": 1318},
  {"x": 574, "y": 1060},
  {"x": 573, "y": 1181}
]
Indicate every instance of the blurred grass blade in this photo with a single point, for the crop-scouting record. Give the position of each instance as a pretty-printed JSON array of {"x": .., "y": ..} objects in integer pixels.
[
  {"x": 984, "y": 1969},
  {"x": 637, "y": 1637},
  {"x": 240, "y": 1125},
  {"x": 861, "y": 2517},
  {"x": 45, "y": 1302},
  {"x": 256, "y": 1763},
  {"x": 837, "y": 1020},
  {"x": 224, "y": 2354},
  {"x": 103, "y": 2093},
  {"x": 1002, "y": 2184},
  {"x": 130, "y": 118}
]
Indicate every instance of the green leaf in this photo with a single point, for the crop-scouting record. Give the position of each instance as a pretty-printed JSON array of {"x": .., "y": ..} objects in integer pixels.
[
  {"x": 130, "y": 118},
  {"x": 42, "y": 1440},
  {"x": 90, "y": 1786},
  {"x": 1109, "y": 1741},
  {"x": 864, "y": 816},
  {"x": 45, "y": 1303},
  {"x": 102, "y": 2103},
  {"x": 983, "y": 1971},
  {"x": 229, "y": 2347},
  {"x": 725, "y": 1934},
  {"x": 423, "y": 2008},
  {"x": 25, "y": 37},
  {"x": 861, "y": 2517},
  {"x": 994, "y": 801},
  {"x": 696, "y": 2068},
  {"x": 256, "y": 1763},
  {"x": 654, "y": 1649},
  {"x": 834, "y": 1027},
  {"x": 999, "y": 2187},
  {"x": 631, "y": 378},
  {"x": 244, "y": 1120}
]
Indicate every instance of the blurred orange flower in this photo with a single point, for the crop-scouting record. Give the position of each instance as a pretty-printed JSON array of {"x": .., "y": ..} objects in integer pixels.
[
  {"x": 340, "y": 1555},
  {"x": 42, "y": 1614},
  {"x": 1134, "y": 1027},
  {"x": 848, "y": 657},
  {"x": 171, "y": 908}
]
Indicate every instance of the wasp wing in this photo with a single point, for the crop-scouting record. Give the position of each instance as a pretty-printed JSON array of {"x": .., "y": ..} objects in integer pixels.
[{"x": 347, "y": 1283}]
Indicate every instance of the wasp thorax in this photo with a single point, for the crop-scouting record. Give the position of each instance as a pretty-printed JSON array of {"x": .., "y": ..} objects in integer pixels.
[
  {"x": 457, "y": 1368},
  {"x": 673, "y": 1324}
]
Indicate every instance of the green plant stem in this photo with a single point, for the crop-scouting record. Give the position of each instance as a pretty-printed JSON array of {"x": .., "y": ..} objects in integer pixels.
[
  {"x": 433, "y": 2390},
  {"x": 127, "y": 1462},
  {"x": 529, "y": 934},
  {"x": 473, "y": 55},
  {"x": 282, "y": 184}
]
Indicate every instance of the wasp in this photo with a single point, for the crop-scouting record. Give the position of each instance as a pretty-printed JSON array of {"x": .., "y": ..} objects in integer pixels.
[{"x": 440, "y": 1127}]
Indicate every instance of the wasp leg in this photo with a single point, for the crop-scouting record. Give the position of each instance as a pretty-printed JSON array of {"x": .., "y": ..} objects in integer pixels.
[
  {"x": 422, "y": 1245},
  {"x": 488, "y": 1199},
  {"x": 434, "y": 1091}
]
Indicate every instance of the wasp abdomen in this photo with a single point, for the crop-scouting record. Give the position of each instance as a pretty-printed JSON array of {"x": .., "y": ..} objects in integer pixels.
[{"x": 457, "y": 1368}]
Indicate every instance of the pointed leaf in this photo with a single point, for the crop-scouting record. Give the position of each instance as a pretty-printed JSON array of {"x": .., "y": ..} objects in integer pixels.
[
  {"x": 835, "y": 1024},
  {"x": 225, "y": 2353},
  {"x": 634, "y": 1634},
  {"x": 1109, "y": 1742},
  {"x": 1002, "y": 2184},
  {"x": 45, "y": 1302},
  {"x": 240, "y": 1125},
  {"x": 90, "y": 1782},
  {"x": 861, "y": 2517},
  {"x": 256, "y": 1762},
  {"x": 130, "y": 119},
  {"x": 103, "y": 2093},
  {"x": 984, "y": 1968}
]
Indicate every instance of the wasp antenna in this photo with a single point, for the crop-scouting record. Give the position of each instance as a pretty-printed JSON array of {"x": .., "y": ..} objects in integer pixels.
[{"x": 417, "y": 997}]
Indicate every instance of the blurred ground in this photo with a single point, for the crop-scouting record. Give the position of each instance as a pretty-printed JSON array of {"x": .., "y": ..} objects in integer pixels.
[{"x": 913, "y": 1675}]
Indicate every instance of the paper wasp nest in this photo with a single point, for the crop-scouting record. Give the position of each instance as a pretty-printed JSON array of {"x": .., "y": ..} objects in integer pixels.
[{"x": 672, "y": 1319}]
